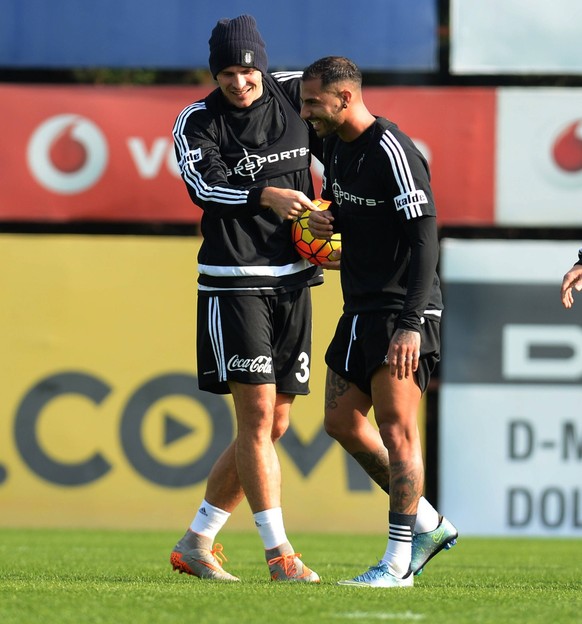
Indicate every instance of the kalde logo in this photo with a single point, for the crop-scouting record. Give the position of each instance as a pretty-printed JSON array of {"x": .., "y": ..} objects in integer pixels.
[
  {"x": 67, "y": 154},
  {"x": 260, "y": 364},
  {"x": 410, "y": 203}
]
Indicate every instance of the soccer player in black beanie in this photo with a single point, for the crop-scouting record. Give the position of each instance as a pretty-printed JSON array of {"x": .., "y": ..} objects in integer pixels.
[{"x": 245, "y": 153}]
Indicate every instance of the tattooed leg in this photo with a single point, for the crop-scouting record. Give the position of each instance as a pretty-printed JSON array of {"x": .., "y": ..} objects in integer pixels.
[
  {"x": 406, "y": 484},
  {"x": 346, "y": 420},
  {"x": 335, "y": 388},
  {"x": 376, "y": 466},
  {"x": 396, "y": 404}
]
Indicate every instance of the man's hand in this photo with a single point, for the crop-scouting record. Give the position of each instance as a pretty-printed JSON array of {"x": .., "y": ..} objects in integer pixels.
[
  {"x": 320, "y": 223},
  {"x": 287, "y": 203},
  {"x": 403, "y": 353},
  {"x": 334, "y": 260},
  {"x": 572, "y": 279}
]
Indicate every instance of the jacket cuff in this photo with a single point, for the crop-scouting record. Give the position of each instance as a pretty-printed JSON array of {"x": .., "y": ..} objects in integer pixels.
[
  {"x": 409, "y": 323},
  {"x": 254, "y": 200}
]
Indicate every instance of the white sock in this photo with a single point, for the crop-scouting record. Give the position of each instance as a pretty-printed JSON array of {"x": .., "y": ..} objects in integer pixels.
[
  {"x": 209, "y": 520},
  {"x": 427, "y": 517},
  {"x": 270, "y": 525},
  {"x": 399, "y": 550}
]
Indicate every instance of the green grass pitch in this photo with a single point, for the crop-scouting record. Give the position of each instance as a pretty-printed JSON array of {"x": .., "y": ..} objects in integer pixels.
[{"x": 118, "y": 577}]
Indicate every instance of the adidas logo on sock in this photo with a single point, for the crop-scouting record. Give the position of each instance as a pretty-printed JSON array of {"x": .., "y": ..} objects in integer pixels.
[{"x": 202, "y": 510}]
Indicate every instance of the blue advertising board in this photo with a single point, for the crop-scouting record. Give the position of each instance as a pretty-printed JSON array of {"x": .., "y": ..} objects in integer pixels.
[{"x": 379, "y": 35}]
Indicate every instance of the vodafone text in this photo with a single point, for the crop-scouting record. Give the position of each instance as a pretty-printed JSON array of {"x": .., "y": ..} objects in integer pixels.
[{"x": 149, "y": 161}]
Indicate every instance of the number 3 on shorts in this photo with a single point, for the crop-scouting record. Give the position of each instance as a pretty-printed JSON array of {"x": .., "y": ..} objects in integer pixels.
[{"x": 303, "y": 374}]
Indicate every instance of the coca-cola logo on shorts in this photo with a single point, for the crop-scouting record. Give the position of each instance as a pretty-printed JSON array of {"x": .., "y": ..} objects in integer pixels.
[{"x": 260, "y": 364}]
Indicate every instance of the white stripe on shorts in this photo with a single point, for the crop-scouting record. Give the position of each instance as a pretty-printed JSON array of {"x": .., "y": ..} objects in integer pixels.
[
  {"x": 353, "y": 337},
  {"x": 215, "y": 331}
]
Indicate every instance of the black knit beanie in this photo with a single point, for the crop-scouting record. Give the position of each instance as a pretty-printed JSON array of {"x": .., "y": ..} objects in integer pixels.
[{"x": 237, "y": 42}]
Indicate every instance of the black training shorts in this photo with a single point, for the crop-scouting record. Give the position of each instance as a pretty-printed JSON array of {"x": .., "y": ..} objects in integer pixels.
[
  {"x": 255, "y": 339},
  {"x": 361, "y": 342}
]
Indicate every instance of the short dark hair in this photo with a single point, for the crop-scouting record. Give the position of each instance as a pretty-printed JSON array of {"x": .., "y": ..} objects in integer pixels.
[{"x": 332, "y": 69}]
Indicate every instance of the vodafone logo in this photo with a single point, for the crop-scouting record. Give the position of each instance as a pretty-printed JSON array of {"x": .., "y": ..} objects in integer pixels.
[
  {"x": 67, "y": 154},
  {"x": 567, "y": 148},
  {"x": 558, "y": 152}
]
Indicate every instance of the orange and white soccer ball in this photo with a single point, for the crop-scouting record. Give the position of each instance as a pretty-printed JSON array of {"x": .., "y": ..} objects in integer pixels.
[{"x": 316, "y": 250}]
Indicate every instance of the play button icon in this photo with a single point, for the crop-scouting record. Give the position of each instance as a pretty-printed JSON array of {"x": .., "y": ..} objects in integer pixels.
[{"x": 174, "y": 430}]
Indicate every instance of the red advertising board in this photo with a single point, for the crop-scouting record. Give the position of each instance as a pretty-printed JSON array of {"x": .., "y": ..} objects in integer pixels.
[
  {"x": 86, "y": 153},
  {"x": 92, "y": 153},
  {"x": 455, "y": 129}
]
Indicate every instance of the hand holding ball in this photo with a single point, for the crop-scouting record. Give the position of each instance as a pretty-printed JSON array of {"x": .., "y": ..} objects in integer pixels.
[{"x": 316, "y": 250}]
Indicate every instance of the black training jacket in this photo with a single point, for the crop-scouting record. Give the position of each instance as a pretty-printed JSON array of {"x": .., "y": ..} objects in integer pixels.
[
  {"x": 226, "y": 155},
  {"x": 384, "y": 209}
]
